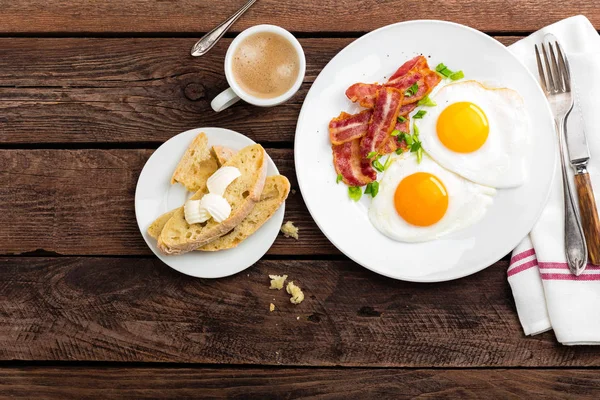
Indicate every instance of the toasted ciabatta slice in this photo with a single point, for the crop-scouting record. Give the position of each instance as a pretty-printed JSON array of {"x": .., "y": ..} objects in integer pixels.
[
  {"x": 223, "y": 154},
  {"x": 196, "y": 166},
  {"x": 273, "y": 195},
  {"x": 159, "y": 223},
  {"x": 179, "y": 237}
]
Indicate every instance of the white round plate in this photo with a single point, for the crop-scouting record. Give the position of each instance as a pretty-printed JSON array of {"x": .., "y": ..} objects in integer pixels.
[
  {"x": 154, "y": 195},
  {"x": 374, "y": 57}
]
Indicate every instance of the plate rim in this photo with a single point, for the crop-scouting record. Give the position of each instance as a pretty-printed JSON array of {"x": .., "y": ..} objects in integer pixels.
[
  {"x": 278, "y": 214},
  {"x": 432, "y": 277}
]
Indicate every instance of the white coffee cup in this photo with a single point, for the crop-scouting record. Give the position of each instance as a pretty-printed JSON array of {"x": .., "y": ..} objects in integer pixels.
[{"x": 234, "y": 93}]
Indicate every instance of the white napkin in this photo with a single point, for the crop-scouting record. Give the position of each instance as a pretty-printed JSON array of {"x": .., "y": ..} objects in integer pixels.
[{"x": 546, "y": 294}]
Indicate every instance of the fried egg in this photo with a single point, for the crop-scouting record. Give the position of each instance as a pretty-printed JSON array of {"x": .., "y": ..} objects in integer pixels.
[
  {"x": 478, "y": 132},
  {"x": 423, "y": 201}
]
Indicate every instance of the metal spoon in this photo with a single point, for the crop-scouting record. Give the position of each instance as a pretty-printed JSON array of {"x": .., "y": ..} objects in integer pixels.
[{"x": 203, "y": 45}]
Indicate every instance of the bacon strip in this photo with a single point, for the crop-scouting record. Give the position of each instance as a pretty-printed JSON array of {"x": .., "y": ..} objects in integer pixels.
[
  {"x": 347, "y": 162},
  {"x": 353, "y": 137},
  {"x": 407, "y": 109},
  {"x": 364, "y": 93},
  {"x": 392, "y": 144},
  {"x": 417, "y": 63},
  {"x": 431, "y": 80},
  {"x": 413, "y": 71},
  {"x": 403, "y": 126},
  {"x": 383, "y": 121},
  {"x": 347, "y": 127}
]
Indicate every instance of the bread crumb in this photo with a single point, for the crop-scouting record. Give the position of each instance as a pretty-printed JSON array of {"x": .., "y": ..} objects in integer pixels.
[
  {"x": 289, "y": 230},
  {"x": 271, "y": 307},
  {"x": 297, "y": 318},
  {"x": 277, "y": 281},
  {"x": 295, "y": 292}
]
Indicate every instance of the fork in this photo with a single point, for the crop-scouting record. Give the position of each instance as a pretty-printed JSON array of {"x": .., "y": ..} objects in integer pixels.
[{"x": 555, "y": 79}]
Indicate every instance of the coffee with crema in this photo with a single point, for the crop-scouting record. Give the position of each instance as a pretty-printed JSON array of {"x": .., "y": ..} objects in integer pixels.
[{"x": 265, "y": 65}]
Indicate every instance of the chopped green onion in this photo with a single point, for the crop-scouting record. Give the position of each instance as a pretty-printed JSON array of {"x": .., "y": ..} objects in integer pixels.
[
  {"x": 395, "y": 132},
  {"x": 371, "y": 154},
  {"x": 387, "y": 163},
  {"x": 457, "y": 75},
  {"x": 419, "y": 155},
  {"x": 399, "y": 150},
  {"x": 401, "y": 118},
  {"x": 372, "y": 188},
  {"x": 339, "y": 178},
  {"x": 448, "y": 73},
  {"x": 426, "y": 101},
  {"x": 443, "y": 70},
  {"x": 416, "y": 130},
  {"x": 407, "y": 139},
  {"x": 415, "y": 146},
  {"x": 419, "y": 114},
  {"x": 412, "y": 90},
  {"x": 440, "y": 67},
  {"x": 378, "y": 166},
  {"x": 354, "y": 192},
  {"x": 369, "y": 188}
]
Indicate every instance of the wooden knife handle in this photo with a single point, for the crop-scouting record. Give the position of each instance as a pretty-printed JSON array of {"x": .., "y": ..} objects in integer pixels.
[{"x": 589, "y": 215}]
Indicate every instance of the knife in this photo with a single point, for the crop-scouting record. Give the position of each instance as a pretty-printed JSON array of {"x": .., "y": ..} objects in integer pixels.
[{"x": 579, "y": 155}]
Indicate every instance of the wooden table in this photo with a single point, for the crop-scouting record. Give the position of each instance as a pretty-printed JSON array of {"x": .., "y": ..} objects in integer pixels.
[{"x": 88, "y": 90}]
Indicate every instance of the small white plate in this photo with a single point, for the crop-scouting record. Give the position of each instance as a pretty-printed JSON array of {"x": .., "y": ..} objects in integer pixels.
[
  {"x": 346, "y": 224},
  {"x": 154, "y": 195}
]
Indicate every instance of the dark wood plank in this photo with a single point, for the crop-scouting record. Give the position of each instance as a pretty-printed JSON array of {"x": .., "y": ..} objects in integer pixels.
[
  {"x": 81, "y": 202},
  {"x": 128, "y": 309},
  {"x": 293, "y": 383},
  {"x": 147, "y": 90},
  {"x": 307, "y": 16}
]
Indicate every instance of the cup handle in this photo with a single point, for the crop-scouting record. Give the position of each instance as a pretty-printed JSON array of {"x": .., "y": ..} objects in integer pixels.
[{"x": 225, "y": 99}]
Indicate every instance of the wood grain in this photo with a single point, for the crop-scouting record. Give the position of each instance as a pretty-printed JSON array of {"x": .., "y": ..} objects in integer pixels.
[
  {"x": 589, "y": 215},
  {"x": 148, "y": 90},
  {"x": 128, "y": 309},
  {"x": 81, "y": 202},
  {"x": 40, "y": 16},
  {"x": 296, "y": 383}
]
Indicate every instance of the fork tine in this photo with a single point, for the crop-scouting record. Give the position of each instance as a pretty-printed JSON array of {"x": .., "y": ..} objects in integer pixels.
[
  {"x": 564, "y": 66},
  {"x": 540, "y": 69},
  {"x": 551, "y": 87},
  {"x": 558, "y": 78}
]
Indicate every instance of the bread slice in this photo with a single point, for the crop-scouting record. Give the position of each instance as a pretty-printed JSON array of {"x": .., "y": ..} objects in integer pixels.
[
  {"x": 273, "y": 195},
  {"x": 223, "y": 154},
  {"x": 179, "y": 237},
  {"x": 159, "y": 223},
  {"x": 196, "y": 166}
]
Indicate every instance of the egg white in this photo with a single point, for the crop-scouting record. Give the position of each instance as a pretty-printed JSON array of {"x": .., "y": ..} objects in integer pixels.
[
  {"x": 467, "y": 201},
  {"x": 500, "y": 162}
]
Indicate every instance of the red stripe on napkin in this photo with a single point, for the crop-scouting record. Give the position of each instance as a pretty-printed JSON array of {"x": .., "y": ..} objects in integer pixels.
[
  {"x": 554, "y": 265},
  {"x": 522, "y": 255},
  {"x": 570, "y": 277},
  {"x": 522, "y": 267}
]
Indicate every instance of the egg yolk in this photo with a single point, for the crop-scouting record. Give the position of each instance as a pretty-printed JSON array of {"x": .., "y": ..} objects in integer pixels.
[
  {"x": 462, "y": 127},
  {"x": 421, "y": 199}
]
